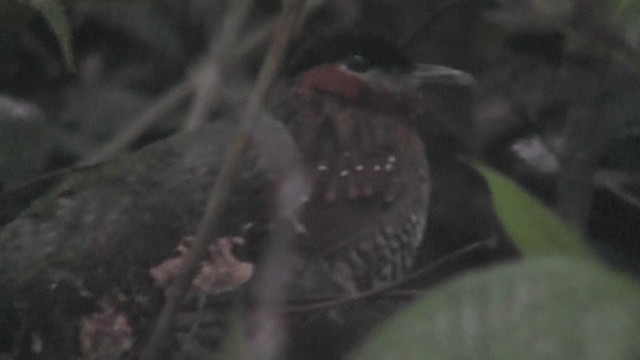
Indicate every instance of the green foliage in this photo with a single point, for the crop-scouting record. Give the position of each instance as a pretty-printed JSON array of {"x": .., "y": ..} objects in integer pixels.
[
  {"x": 53, "y": 12},
  {"x": 534, "y": 228},
  {"x": 556, "y": 304},
  {"x": 541, "y": 308}
]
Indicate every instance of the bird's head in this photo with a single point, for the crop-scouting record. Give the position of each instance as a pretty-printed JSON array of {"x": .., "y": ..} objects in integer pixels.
[{"x": 367, "y": 70}]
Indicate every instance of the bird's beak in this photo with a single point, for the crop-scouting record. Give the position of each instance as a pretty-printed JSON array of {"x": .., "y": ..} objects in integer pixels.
[{"x": 426, "y": 74}]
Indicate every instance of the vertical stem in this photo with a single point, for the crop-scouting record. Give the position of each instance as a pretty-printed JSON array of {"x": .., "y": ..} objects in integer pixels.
[
  {"x": 585, "y": 132},
  {"x": 207, "y": 231},
  {"x": 587, "y": 123}
]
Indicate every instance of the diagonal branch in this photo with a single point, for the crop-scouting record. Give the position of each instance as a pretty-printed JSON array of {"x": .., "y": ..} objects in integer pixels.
[{"x": 215, "y": 204}]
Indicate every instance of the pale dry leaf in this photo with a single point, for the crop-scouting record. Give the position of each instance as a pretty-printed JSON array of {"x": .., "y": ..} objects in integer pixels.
[
  {"x": 105, "y": 334},
  {"x": 222, "y": 271},
  {"x": 164, "y": 273}
]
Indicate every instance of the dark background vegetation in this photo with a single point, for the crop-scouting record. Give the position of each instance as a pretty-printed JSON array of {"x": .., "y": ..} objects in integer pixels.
[{"x": 555, "y": 108}]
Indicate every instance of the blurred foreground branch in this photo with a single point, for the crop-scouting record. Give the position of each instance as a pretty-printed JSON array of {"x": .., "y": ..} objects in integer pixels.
[
  {"x": 207, "y": 230},
  {"x": 203, "y": 82}
]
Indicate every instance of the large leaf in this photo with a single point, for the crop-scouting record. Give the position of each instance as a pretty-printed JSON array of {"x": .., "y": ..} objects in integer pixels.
[
  {"x": 534, "y": 228},
  {"x": 53, "y": 12},
  {"x": 541, "y": 308}
]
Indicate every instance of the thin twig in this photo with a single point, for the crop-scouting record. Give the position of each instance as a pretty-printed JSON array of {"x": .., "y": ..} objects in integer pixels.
[
  {"x": 284, "y": 31},
  {"x": 207, "y": 230},
  {"x": 257, "y": 37},
  {"x": 585, "y": 130},
  {"x": 165, "y": 104},
  {"x": 173, "y": 98},
  {"x": 429, "y": 269},
  {"x": 268, "y": 337},
  {"x": 428, "y": 22},
  {"x": 207, "y": 84},
  {"x": 208, "y": 80},
  {"x": 267, "y": 332},
  {"x": 615, "y": 181},
  {"x": 582, "y": 138},
  {"x": 586, "y": 124}
]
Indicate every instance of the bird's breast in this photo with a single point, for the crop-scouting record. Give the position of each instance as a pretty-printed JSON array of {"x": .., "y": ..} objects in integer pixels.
[
  {"x": 370, "y": 185},
  {"x": 362, "y": 165}
]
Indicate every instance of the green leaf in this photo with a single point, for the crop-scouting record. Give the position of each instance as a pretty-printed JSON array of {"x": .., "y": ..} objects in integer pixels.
[
  {"x": 541, "y": 308},
  {"x": 534, "y": 228},
  {"x": 53, "y": 12}
]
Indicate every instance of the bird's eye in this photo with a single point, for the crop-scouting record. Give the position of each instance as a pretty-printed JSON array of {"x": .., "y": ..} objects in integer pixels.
[{"x": 357, "y": 63}]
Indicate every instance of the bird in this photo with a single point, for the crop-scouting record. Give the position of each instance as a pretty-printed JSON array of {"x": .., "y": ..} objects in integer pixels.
[{"x": 351, "y": 103}]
